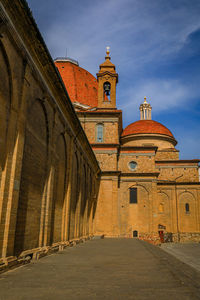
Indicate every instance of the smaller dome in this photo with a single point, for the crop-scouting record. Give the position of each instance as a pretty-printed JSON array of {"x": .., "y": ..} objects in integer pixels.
[{"x": 148, "y": 127}]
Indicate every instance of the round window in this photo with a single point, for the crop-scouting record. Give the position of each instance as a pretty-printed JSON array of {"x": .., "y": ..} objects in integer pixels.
[{"x": 132, "y": 165}]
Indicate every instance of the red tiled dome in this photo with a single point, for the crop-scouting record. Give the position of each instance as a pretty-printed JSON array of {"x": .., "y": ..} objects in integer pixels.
[
  {"x": 146, "y": 126},
  {"x": 81, "y": 86}
]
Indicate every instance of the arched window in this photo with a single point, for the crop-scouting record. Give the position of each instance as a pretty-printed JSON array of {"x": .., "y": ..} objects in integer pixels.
[
  {"x": 187, "y": 208},
  {"x": 106, "y": 90},
  {"x": 161, "y": 208},
  {"x": 99, "y": 133}
]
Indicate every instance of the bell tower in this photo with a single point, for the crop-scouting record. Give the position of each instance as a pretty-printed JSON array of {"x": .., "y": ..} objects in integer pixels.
[{"x": 107, "y": 79}]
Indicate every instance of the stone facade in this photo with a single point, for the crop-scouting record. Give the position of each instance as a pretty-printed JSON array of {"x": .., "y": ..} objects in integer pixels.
[
  {"x": 48, "y": 171},
  {"x": 58, "y": 183},
  {"x": 168, "y": 200}
]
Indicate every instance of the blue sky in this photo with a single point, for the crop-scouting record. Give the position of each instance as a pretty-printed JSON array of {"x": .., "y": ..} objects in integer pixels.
[{"x": 155, "y": 45}]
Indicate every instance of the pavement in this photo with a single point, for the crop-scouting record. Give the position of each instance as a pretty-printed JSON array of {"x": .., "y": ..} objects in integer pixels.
[
  {"x": 103, "y": 269},
  {"x": 189, "y": 253}
]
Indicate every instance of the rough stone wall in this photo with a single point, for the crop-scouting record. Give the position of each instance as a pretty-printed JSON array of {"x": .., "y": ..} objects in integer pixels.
[
  {"x": 135, "y": 216},
  {"x": 110, "y": 130},
  {"x": 107, "y": 216},
  {"x": 171, "y": 172},
  {"x": 48, "y": 171},
  {"x": 145, "y": 162},
  {"x": 171, "y": 208},
  {"x": 185, "y": 237},
  {"x": 168, "y": 154},
  {"x": 107, "y": 161}
]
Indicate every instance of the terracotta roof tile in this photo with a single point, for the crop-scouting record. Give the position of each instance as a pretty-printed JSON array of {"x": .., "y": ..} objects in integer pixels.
[
  {"x": 81, "y": 86},
  {"x": 146, "y": 126}
]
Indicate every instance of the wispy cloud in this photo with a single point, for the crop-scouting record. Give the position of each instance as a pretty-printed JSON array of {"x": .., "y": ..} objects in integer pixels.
[
  {"x": 165, "y": 94},
  {"x": 154, "y": 44},
  {"x": 138, "y": 31}
]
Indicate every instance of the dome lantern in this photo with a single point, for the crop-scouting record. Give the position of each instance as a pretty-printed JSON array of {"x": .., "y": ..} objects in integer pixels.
[{"x": 145, "y": 110}]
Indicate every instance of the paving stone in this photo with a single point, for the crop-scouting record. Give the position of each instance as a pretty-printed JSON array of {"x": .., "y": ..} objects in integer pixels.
[{"x": 103, "y": 269}]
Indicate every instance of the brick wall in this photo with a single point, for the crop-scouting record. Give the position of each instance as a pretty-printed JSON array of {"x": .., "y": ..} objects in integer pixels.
[{"x": 46, "y": 200}]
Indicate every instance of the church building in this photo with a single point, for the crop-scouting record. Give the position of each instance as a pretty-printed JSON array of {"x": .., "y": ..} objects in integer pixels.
[
  {"x": 145, "y": 190},
  {"x": 68, "y": 169}
]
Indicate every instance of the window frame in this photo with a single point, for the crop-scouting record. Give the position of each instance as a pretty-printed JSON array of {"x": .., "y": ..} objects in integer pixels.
[
  {"x": 99, "y": 125},
  {"x": 135, "y": 199},
  {"x": 187, "y": 208},
  {"x": 136, "y": 165}
]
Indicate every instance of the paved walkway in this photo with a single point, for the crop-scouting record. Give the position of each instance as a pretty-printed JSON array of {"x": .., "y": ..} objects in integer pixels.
[
  {"x": 189, "y": 253},
  {"x": 103, "y": 269}
]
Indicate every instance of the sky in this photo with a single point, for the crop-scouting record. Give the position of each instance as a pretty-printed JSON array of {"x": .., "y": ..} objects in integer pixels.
[{"x": 155, "y": 45}]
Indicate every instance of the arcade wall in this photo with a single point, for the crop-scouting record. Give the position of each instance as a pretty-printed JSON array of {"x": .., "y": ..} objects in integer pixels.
[{"x": 48, "y": 171}]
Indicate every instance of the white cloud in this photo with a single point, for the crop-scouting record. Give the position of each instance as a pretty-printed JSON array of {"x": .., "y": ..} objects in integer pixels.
[
  {"x": 138, "y": 32},
  {"x": 163, "y": 95},
  {"x": 141, "y": 34}
]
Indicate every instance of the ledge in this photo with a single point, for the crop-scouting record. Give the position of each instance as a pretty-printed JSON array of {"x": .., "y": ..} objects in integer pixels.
[
  {"x": 179, "y": 161},
  {"x": 177, "y": 183},
  {"x": 154, "y": 174}
]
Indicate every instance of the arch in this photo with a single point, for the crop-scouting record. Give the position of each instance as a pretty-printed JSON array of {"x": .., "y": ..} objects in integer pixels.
[
  {"x": 106, "y": 90},
  {"x": 142, "y": 220},
  {"x": 31, "y": 119},
  {"x": 83, "y": 201},
  {"x": 138, "y": 185},
  {"x": 89, "y": 194},
  {"x": 188, "y": 193},
  {"x": 59, "y": 189},
  {"x": 33, "y": 179},
  {"x": 164, "y": 210},
  {"x": 161, "y": 208},
  {"x": 74, "y": 195},
  {"x": 5, "y": 102},
  {"x": 187, "y": 218},
  {"x": 85, "y": 189},
  {"x": 5, "y": 75}
]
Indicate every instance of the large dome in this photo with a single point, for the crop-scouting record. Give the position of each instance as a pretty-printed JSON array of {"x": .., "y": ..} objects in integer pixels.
[
  {"x": 146, "y": 127},
  {"x": 81, "y": 85}
]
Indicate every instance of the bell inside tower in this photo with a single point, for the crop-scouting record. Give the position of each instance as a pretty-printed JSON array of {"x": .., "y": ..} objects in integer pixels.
[
  {"x": 107, "y": 79},
  {"x": 106, "y": 90}
]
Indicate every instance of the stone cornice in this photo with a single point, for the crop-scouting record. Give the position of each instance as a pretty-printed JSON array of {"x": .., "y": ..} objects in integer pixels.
[
  {"x": 177, "y": 183},
  {"x": 180, "y": 161},
  {"x": 103, "y": 145},
  {"x": 153, "y": 174},
  {"x": 110, "y": 173},
  {"x": 139, "y": 148},
  {"x": 139, "y": 136}
]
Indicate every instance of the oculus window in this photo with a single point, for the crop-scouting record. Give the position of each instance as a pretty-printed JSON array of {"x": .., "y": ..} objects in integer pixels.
[
  {"x": 132, "y": 165},
  {"x": 99, "y": 133},
  {"x": 133, "y": 195}
]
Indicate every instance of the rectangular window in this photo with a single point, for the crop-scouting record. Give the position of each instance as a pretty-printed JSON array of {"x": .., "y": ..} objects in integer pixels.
[
  {"x": 133, "y": 195},
  {"x": 99, "y": 133}
]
